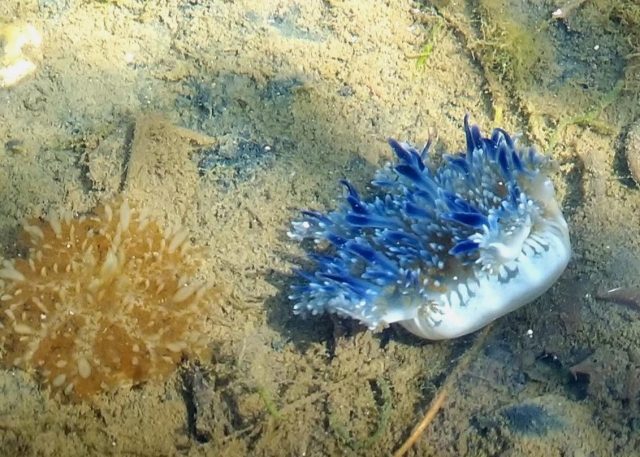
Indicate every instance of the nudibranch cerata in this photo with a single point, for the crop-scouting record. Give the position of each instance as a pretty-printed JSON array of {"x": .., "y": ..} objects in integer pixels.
[{"x": 444, "y": 247}]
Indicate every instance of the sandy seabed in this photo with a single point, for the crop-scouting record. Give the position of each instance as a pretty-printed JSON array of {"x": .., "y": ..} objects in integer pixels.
[{"x": 246, "y": 111}]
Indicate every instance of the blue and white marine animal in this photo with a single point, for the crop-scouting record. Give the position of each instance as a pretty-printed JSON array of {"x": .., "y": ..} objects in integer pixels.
[{"x": 444, "y": 247}]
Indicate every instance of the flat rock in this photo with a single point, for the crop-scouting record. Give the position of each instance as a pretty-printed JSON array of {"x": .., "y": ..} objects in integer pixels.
[{"x": 632, "y": 148}]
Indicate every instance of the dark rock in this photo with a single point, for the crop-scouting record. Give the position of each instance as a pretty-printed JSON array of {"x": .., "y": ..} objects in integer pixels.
[{"x": 530, "y": 419}]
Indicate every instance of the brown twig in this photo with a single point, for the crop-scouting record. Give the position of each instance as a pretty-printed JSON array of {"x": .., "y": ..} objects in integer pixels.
[{"x": 442, "y": 394}]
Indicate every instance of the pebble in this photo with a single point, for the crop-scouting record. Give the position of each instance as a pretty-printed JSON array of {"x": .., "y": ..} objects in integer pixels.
[
  {"x": 530, "y": 419},
  {"x": 14, "y": 66},
  {"x": 632, "y": 148}
]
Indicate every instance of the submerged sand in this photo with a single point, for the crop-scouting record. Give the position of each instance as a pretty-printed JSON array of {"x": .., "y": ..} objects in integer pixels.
[{"x": 244, "y": 112}]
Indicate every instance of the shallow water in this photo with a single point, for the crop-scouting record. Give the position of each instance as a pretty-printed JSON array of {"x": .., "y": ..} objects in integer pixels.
[{"x": 243, "y": 112}]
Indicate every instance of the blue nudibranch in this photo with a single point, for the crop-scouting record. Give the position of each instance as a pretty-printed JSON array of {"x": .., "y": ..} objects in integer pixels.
[{"x": 442, "y": 249}]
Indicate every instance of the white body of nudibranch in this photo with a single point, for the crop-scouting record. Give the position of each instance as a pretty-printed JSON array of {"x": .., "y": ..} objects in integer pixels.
[{"x": 441, "y": 250}]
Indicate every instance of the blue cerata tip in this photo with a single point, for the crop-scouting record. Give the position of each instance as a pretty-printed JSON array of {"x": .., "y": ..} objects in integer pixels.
[{"x": 444, "y": 246}]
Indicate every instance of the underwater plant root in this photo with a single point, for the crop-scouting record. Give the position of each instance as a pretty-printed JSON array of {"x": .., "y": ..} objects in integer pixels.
[
  {"x": 441, "y": 396},
  {"x": 590, "y": 118},
  {"x": 385, "y": 413}
]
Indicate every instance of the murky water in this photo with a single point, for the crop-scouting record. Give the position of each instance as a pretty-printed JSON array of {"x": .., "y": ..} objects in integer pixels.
[{"x": 225, "y": 118}]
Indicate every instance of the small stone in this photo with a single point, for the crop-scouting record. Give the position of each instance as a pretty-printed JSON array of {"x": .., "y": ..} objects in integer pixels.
[
  {"x": 632, "y": 148},
  {"x": 530, "y": 419}
]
